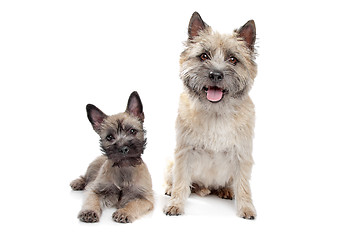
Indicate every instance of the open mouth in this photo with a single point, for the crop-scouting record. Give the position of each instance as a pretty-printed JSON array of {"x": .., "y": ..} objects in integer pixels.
[{"x": 214, "y": 94}]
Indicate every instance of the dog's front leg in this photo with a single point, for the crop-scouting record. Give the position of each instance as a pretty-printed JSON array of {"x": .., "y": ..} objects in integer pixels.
[
  {"x": 244, "y": 205},
  {"x": 181, "y": 183},
  {"x": 133, "y": 210},
  {"x": 91, "y": 209}
]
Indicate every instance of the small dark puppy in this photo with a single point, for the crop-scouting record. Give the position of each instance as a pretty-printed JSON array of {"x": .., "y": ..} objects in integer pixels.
[{"x": 119, "y": 178}]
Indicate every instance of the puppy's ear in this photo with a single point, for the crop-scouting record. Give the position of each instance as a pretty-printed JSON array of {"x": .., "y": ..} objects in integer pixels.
[
  {"x": 196, "y": 25},
  {"x": 95, "y": 116},
  {"x": 247, "y": 33},
  {"x": 134, "y": 106}
]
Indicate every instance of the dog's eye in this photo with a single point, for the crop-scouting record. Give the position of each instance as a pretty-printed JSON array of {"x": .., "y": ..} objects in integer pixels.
[
  {"x": 233, "y": 60},
  {"x": 204, "y": 56},
  {"x": 133, "y": 131},
  {"x": 110, "y": 137}
]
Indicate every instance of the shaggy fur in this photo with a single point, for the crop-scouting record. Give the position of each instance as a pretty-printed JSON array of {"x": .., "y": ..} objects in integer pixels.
[
  {"x": 214, "y": 127},
  {"x": 119, "y": 178}
]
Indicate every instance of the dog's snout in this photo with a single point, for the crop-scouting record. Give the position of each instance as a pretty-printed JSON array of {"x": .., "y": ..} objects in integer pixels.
[
  {"x": 124, "y": 150},
  {"x": 216, "y": 76}
]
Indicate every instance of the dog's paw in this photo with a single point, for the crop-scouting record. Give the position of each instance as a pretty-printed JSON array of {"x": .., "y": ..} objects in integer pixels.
[
  {"x": 247, "y": 212},
  {"x": 122, "y": 216},
  {"x": 203, "y": 192},
  {"x": 198, "y": 190},
  {"x": 78, "y": 184},
  {"x": 168, "y": 191},
  {"x": 173, "y": 211},
  {"x": 224, "y": 193},
  {"x": 88, "y": 216}
]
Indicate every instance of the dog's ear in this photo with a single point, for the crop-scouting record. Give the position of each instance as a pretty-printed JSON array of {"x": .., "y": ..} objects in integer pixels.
[
  {"x": 134, "y": 106},
  {"x": 196, "y": 25},
  {"x": 247, "y": 33},
  {"x": 95, "y": 116}
]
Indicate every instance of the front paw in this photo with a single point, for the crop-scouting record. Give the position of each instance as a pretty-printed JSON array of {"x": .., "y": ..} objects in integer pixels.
[
  {"x": 247, "y": 211},
  {"x": 88, "y": 216},
  {"x": 122, "y": 216},
  {"x": 173, "y": 211}
]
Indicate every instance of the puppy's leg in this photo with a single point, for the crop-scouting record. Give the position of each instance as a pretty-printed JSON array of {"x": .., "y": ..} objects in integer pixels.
[
  {"x": 133, "y": 210},
  {"x": 244, "y": 205},
  {"x": 91, "y": 209},
  {"x": 90, "y": 175},
  {"x": 181, "y": 183}
]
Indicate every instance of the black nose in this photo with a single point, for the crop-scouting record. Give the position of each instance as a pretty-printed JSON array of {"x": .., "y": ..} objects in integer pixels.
[
  {"x": 124, "y": 150},
  {"x": 216, "y": 76}
]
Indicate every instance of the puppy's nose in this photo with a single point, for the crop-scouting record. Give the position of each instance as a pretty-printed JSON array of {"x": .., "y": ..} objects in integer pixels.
[
  {"x": 124, "y": 150},
  {"x": 216, "y": 76}
]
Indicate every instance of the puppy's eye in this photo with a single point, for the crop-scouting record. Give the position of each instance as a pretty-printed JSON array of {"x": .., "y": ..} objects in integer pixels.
[
  {"x": 233, "y": 60},
  {"x": 133, "y": 131},
  {"x": 204, "y": 56},
  {"x": 110, "y": 137}
]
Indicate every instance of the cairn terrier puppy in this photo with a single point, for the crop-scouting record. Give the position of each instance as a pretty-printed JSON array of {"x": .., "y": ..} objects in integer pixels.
[
  {"x": 214, "y": 127},
  {"x": 119, "y": 178}
]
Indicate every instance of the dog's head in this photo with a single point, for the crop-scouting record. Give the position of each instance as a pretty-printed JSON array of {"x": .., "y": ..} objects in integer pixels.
[
  {"x": 217, "y": 66},
  {"x": 122, "y": 137}
]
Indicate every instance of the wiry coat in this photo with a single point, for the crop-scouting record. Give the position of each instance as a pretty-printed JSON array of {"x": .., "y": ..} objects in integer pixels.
[
  {"x": 119, "y": 178},
  {"x": 214, "y": 140}
]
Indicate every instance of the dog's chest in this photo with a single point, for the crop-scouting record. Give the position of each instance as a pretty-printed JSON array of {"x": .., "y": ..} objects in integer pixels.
[
  {"x": 219, "y": 129},
  {"x": 215, "y": 134},
  {"x": 124, "y": 177},
  {"x": 218, "y": 134},
  {"x": 212, "y": 169}
]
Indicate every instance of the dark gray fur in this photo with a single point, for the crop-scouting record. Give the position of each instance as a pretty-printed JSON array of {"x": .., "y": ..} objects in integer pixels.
[{"x": 118, "y": 178}]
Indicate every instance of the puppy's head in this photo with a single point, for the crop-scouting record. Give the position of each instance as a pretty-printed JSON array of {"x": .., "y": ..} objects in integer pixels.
[
  {"x": 215, "y": 67},
  {"x": 122, "y": 137}
]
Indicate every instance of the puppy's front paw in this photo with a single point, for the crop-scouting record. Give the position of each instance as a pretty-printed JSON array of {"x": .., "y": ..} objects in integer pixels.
[
  {"x": 122, "y": 216},
  {"x": 88, "y": 216},
  {"x": 173, "y": 211},
  {"x": 247, "y": 212}
]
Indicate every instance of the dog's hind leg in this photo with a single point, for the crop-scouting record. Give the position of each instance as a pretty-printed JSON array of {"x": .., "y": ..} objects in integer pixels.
[
  {"x": 200, "y": 190},
  {"x": 224, "y": 193},
  {"x": 78, "y": 184},
  {"x": 168, "y": 177},
  {"x": 90, "y": 175},
  {"x": 181, "y": 183}
]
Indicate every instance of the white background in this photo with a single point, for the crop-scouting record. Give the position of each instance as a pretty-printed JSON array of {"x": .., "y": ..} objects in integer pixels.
[{"x": 57, "y": 56}]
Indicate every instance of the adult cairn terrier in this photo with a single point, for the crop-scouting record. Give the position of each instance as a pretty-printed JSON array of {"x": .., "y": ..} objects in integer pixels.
[
  {"x": 214, "y": 127},
  {"x": 119, "y": 178}
]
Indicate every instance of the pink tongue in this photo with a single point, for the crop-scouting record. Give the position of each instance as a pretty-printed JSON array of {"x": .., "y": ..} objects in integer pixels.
[{"x": 214, "y": 94}]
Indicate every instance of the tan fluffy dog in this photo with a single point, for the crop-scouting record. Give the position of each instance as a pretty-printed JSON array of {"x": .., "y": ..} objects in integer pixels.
[{"x": 214, "y": 127}]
